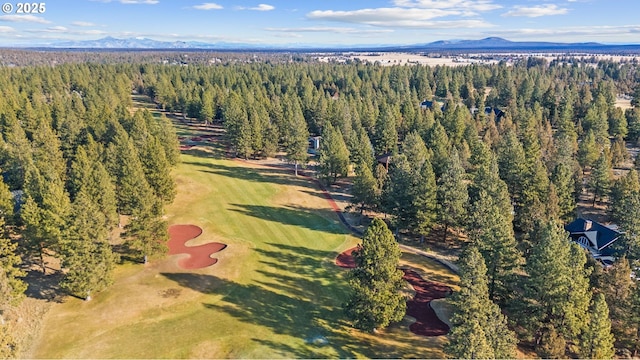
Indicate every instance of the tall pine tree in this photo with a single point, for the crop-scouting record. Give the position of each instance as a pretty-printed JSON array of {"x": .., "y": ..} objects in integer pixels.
[
  {"x": 376, "y": 300},
  {"x": 452, "y": 196},
  {"x": 479, "y": 329},
  {"x": 86, "y": 254},
  {"x": 597, "y": 340}
]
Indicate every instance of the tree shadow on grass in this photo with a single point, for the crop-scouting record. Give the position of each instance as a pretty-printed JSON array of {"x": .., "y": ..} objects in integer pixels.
[
  {"x": 300, "y": 294},
  {"x": 313, "y": 219},
  {"x": 44, "y": 286},
  {"x": 210, "y": 152},
  {"x": 257, "y": 174},
  {"x": 254, "y": 304}
]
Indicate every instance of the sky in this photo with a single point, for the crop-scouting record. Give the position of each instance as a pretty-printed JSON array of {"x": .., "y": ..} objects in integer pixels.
[{"x": 327, "y": 22}]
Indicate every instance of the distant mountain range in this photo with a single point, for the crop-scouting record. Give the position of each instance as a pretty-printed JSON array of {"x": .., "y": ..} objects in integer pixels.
[
  {"x": 487, "y": 44},
  {"x": 142, "y": 43}
]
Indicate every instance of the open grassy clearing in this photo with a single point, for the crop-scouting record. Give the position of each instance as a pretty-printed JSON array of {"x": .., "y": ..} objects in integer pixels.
[{"x": 275, "y": 292}]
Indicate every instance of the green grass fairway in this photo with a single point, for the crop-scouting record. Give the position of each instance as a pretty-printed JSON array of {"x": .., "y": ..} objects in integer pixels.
[{"x": 275, "y": 292}]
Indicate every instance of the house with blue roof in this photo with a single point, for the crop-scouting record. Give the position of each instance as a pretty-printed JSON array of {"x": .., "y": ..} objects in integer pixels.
[
  {"x": 595, "y": 237},
  {"x": 426, "y": 104}
]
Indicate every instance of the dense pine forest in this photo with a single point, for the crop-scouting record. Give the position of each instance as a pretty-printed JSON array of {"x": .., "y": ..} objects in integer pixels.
[{"x": 495, "y": 161}]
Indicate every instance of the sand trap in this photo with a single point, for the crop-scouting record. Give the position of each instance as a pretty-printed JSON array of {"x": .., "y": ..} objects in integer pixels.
[
  {"x": 346, "y": 260},
  {"x": 427, "y": 322},
  {"x": 200, "y": 255}
]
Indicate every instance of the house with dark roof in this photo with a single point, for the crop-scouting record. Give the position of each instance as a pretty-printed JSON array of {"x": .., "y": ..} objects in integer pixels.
[
  {"x": 426, "y": 104},
  {"x": 384, "y": 159},
  {"x": 595, "y": 237},
  {"x": 497, "y": 112}
]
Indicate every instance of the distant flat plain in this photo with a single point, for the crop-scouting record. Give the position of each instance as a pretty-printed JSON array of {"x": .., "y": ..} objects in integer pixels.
[{"x": 408, "y": 58}]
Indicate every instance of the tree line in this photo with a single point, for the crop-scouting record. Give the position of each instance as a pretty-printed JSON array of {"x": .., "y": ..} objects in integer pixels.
[
  {"x": 508, "y": 182},
  {"x": 507, "y": 179},
  {"x": 76, "y": 159}
]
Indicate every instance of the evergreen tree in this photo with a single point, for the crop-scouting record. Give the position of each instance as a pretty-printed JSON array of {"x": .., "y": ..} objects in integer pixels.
[
  {"x": 479, "y": 329},
  {"x": 157, "y": 170},
  {"x": 566, "y": 138},
  {"x": 236, "y": 123},
  {"x": 361, "y": 149},
  {"x": 617, "y": 286},
  {"x": 511, "y": 162},
  {"x": 365, "y": 189},
  {"x": 166, "y": 134},
  {"x": 601, "y": 178},
  {"x": 438, "y": 144},
  {"x": 634, "y": 319},
  {"x": 633, "y": 124},
  {"x": 491, "y": 230},
  {"x": 6, "y": 203},
  {"x": 619, "y": 153},
  {"x": 625, "y": 211},
  {"x": 552, "y": 344},
  {"x": 86, "y": 254},
  {"x": 397, "y": 195},
  {"x": 564, "y": 183},
  {"x": 588, "y": 151},
  {"x": 386, "y": 138},
  {"x": 557, "y": 290},
  {"x": 334, "y": 155},
  {"x": 375, "y": 300},
  {"x": 11, "y": 284},
  {"x": 88, "y": 175},
  {"x": 597, "y": 340},
  {"x": 133, "y": 192},
  {"x": 452, "y": 195},
  {"x": 44, "y": 213},
  {"x": 147, "y": 232},
  {"x": 296, "y": 135},
  {"x": 415, "y": 150},
  {"x": 424, "y": 200}
]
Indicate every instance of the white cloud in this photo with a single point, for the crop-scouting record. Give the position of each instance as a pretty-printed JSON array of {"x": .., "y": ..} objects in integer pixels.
[
  {"x": 208, "y": 6},
  {"x": 83, "y": 23},
  {"x": 590, "y": 31},
  {"x": 263, "y": 7},
  {"x": 57, "y": 29},
  {"x": 379, "y": 16},
  {"x": 6, "y": 29},
  {"x": 91, "y": 32},
  {"x": 24, "y": 18},
  {"x": 466, "y": 5},
  {"x": 66, "y": 31},
  {"x": 536, "y": 11},
  {"x": 260, "y": 7},
  {"x": 398, "y": 17},
  {"x": 337, "y": 30},
  {"x": 53, "y": 29}
]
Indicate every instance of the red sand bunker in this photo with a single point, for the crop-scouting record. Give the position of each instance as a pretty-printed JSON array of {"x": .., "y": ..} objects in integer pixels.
[
  {"x": 346, "y": 260},
  {"x": 427, "y": 323},
  {"x": 199, "y": 256}
]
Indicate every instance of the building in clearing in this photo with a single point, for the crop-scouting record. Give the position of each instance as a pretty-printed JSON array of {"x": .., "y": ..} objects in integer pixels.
[
  {"x": 314, "y": 144},
  {"x": 595, "y": 237}
]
